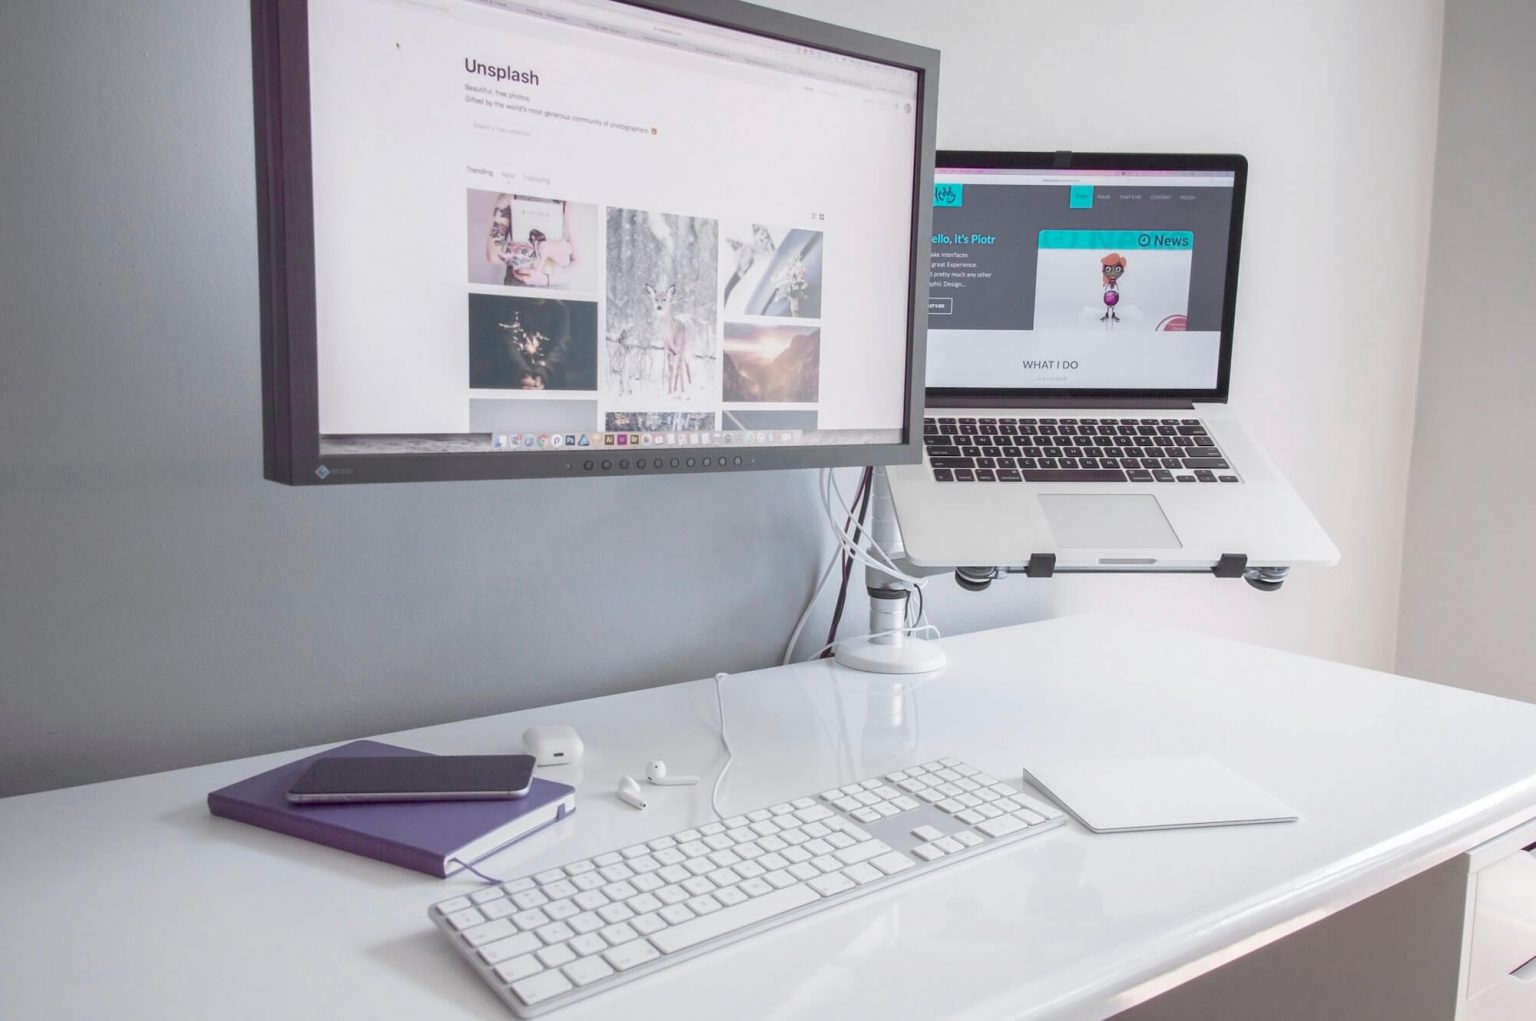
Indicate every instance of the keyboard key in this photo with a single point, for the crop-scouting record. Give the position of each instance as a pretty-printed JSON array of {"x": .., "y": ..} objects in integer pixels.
[
  {"x": 519, "y": 968},
  {"x": 512, "y": 946},
  {"x": 532, "y": 919},
  {"x": 644, "y": 924},
  {"x": 755, "y": 887},
  {"x": 483, "y": 934},
  {"x": 1001, "y": 826},
  {"x": 631, "y": 955},
  {"x": 501, "y": 908},
  {"x": 588, "y": 943},
  {"x": 1073, "y": 474},
  {"x": 555, "y": 932},
  {"x": 863, "y": 873},
  {"x": 1205, "y": 462},
  {"x": 588, "y": 970},
  {"x": 616, "y": 934},
  {"x": 585, "y": 922},
  {"x": 892, "y": 863},
  {"x": 831, "y": 883},
  {"x": 557, "y": 955},
  {"x": 543, "y": 986},
  {"x": 704, "y": 905},
  {"x": 676, "y": 914},
  {"x": 465, "y": 918}
]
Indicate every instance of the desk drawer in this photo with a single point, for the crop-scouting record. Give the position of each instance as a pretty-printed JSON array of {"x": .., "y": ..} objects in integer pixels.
[
  {"x": 1504, "y": 927},
  {"x": 1506, "y": 1000}
]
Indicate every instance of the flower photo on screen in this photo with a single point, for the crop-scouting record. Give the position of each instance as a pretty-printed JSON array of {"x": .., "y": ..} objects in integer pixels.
[{"x": 770, "y": 271}]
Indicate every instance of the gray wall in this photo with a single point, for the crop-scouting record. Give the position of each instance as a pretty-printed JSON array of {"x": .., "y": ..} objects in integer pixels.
[
  {"x": 162, "y": 606},
  {"x": 1467, "y": 601}
]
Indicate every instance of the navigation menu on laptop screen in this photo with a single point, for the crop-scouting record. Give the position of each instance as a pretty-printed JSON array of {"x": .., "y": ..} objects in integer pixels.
[{"x": 1058, "y": 280}]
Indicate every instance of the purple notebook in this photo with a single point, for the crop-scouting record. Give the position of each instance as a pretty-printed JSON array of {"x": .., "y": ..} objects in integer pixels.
[{"x": 435, "y": 837}]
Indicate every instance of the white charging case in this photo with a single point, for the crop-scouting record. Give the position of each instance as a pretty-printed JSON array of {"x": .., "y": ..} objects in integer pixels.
[{"x": 557, "y": 745}]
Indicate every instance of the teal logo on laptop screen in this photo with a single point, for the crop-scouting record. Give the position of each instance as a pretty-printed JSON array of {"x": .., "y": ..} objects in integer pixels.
[{"x": 948, "y": 194}]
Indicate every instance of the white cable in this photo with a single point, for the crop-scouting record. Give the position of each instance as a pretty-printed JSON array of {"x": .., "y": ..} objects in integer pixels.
[
  {"x": 851, "y": 541},
  {"x": 886, "y": 565},
  {"x": 852, "y": 544},
  {"x": 714, "y": 794},
  {"x": 805, "y": 614},
  {"x": 848, "y": 540},
  {"x": 877, "y": 634}
]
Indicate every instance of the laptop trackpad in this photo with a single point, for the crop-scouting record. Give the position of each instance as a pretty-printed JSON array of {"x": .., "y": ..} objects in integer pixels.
[{"x": 1121, "y": 522}]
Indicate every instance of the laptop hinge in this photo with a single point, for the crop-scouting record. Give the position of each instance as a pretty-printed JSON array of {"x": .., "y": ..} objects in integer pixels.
[
  {"x": 1174, "y": 403},
  {"x": 1041, "y": 565},
  {"x": 1231, "y": 565}
]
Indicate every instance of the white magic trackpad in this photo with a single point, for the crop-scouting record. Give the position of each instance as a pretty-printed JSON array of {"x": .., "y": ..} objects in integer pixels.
[{"x": 1108, "y": 522}]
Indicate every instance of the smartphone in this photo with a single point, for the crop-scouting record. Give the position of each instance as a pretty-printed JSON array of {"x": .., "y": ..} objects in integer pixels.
[{"x": 414, "y": 778}]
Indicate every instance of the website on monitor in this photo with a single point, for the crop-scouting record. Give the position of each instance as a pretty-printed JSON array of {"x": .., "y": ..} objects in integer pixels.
[
  {"x": 1078, "y": 279},
  {"x": 585, "y": 223}
]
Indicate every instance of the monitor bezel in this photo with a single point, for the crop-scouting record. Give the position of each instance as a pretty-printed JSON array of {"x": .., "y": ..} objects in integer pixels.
[
  {"x": 949, "y": 160},
  {"x": 285, "y": 229}
]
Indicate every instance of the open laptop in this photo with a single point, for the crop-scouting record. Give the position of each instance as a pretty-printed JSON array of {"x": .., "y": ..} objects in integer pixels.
[{"x": 1080, "y": 339}]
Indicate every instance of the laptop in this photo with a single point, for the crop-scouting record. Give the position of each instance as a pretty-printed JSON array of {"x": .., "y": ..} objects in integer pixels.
[{"x": 1080, "y": 345}]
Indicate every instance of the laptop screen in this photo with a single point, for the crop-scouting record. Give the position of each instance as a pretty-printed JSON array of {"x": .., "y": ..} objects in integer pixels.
[{"x": 1108, "y": 276}]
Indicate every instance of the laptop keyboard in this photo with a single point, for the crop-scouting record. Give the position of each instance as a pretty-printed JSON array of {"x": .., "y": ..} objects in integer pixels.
[{"x": 1008, "y": 449}]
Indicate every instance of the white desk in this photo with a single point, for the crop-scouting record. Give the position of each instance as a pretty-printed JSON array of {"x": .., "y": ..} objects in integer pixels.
[{"x": 128, "y": 900}]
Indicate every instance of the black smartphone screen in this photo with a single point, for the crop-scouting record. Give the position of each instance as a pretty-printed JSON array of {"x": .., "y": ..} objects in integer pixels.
[{"x": 415, "y": 778}]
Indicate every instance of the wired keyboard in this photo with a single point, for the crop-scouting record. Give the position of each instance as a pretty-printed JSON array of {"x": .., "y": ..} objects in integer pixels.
[
  {"x": 564, "y": 934},
  {"x": 1027, "y": 449}
]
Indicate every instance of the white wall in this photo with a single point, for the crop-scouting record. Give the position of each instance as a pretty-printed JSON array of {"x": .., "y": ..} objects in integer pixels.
[
  {"x": 1334, "y": 105},
  {"x": 1468, "y": 606}
]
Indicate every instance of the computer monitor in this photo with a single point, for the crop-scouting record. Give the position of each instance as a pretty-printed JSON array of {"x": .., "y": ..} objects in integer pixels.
[
  {"x": 535, "y": 238},
  {"x": 1093, "y": 276}
]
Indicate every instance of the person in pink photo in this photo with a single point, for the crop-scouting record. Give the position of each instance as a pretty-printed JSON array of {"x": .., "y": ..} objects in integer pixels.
[{"x": 534, "y": 239}]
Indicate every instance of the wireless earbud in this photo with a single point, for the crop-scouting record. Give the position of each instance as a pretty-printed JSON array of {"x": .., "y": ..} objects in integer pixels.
[
  {"x": 656, "y": 772},
  {"x": 629, "y": 793}
]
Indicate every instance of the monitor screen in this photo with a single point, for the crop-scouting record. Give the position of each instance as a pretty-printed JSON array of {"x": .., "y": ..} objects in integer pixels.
[
  {"x": 543, "y": 237},
  {"x": 1102, "y": 277}
]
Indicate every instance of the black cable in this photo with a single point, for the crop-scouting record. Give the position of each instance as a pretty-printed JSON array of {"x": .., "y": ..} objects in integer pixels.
[{"x": 863, "y": 492}]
